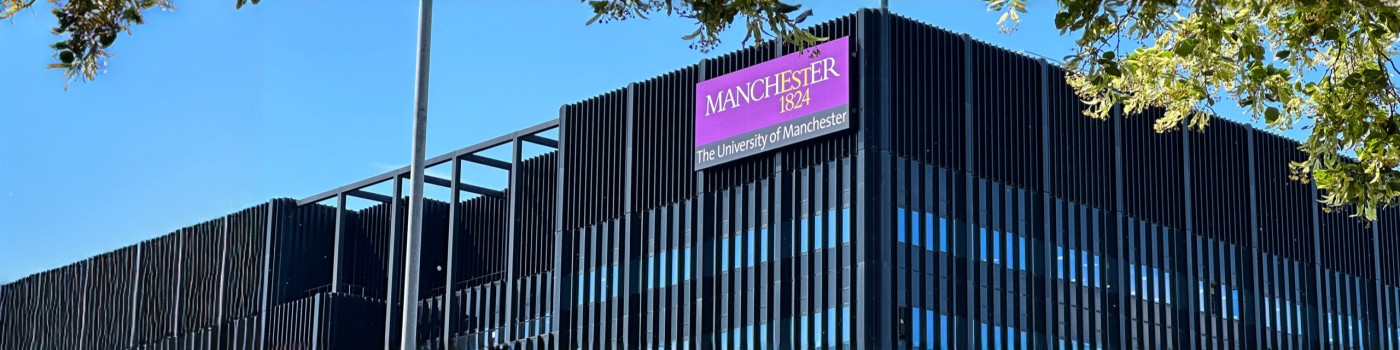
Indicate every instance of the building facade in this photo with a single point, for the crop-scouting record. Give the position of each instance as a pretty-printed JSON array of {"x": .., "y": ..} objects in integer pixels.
[{"x": 970, "y": 205}]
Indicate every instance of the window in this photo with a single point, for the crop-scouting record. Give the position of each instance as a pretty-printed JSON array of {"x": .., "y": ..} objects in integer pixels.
[
  {"x": 1097, "y": 269},
  {"x": 830, "y": 229},
  {"x": 1021, "y": 241},
  {"x": 805, "y": 236},
  {"x": 918, "y": 336},
  {"x": 1060, "y": 262},
  {"x": 982, "y": 244},
  {"x": 1167, "y": 285},
  {"x": 846, "y": 325},
  {"x": 996, "y": 247},
  {"x": 943, "y": 234},
  {"x": 1235, "y": 302},
  {"x": 724, "y": 253},
  {"x": 845, "y": 227},
  {"x": 899, "y": 224},
  {"x": 685, "y": 265},
  {"x": 930, "y": 232},
  {"x": 749, "y": 253},
  {"x": 763, "y": 244}
]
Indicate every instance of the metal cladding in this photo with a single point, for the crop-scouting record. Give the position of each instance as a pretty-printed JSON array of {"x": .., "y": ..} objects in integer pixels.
[{"x": 971, "y": 205}]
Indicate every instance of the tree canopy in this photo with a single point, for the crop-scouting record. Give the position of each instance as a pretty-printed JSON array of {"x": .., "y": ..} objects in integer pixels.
[{"x": 1325, "y": 66}]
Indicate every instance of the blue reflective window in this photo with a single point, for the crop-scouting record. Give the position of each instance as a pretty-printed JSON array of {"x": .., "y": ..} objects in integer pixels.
[
  {"x": 818, "y": 232},
  {"x": 983, "y": 333},
  {"x": 805, "y": 236},
  {"x": 685, "y": 265},
  {"x": 1132, "y": 279},
  {"x": 845, "y": 225},
  {"x": 930, "y": 325},
  {"x": 724, "y": 340},
  {"x": 1201, "y": 296},
  {"x": 831, "y": 229},
  {"x": 1097, "y": 270},
  {"x": 738, "y": 252},
  {"x": 846, "y": 325},
  {"x": 762, "y": 337},
  {"x": 724, "y": 254},
  {"x": 675, "y": 269},
  {"x": 943, "y": 234},
  {"x": 749, "y": 249},
  {"x": 1235, "y": 302},
  {"x": 763, "y": 244},
  {"x": 831, "y": 326},
  {"x": 930, "y": 231},
  {"x": 982, "y": 244},
  {"x": 943, "y": 332},
  {"x": 916, "y": 326},
  {"x": 1021, "y": 253},
  {"x": 1167, "y": 285},
  {"x": 803, "y": 334},
  {"x": 1156, "y": 285},
  {"x": 1072, "y": 266},
  {"x": 579, "y": 286},
  {"x": 899, "y": 224},
  {"x": 1060, "y": 262},
  {"x": 996, "y": 338},
  {"x": 665, "y": 278},
  {"x": 996, "y": 247}
]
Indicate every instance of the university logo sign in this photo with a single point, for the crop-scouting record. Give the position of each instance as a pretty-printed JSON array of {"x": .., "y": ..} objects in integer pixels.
[{"x": 773, "y": 104}]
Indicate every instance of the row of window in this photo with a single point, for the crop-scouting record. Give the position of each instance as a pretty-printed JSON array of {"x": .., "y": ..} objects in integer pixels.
[
  {"x": 676, "y": 266},
  {"x": 928, "y": 329},
  {"x": 933, "y": 227},
  {"x": 1229, "y": 306},
  {"x": 1285, "y": 316},
  {"x": 815, "y": 331},
  {"x": 1351, "y": 328}
]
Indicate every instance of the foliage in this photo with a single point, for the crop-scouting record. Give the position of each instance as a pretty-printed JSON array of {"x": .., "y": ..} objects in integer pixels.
[
  {"x": 762, "y": 19},
  {"x": 88, "y": 28},
  {"x": 1324, "y": 65}
]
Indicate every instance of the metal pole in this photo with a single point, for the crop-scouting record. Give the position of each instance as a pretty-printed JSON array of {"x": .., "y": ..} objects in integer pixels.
[{"x": 415, "y": 202}]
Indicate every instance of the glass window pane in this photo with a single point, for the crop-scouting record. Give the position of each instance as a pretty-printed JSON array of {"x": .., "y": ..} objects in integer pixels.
[
  {"x": 845, "y": 225},
  {"x": 763, "y": 244},
  {"x": 943, "y": 234},
  {"x": 899, "y": 224},
  {"x": 831, "y": 229},
  {"x": 996, "y": 246}
]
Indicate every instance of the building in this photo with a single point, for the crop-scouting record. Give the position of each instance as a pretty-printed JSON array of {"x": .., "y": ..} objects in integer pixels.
[{"x": 967, "y": 204}]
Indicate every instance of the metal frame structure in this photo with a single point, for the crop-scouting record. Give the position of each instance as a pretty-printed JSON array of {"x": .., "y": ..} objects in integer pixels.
[{"x": 455, "y": 186}]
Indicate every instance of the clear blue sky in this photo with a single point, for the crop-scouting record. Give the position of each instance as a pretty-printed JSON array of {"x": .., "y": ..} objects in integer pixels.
[{"x": 207, "y": 110}]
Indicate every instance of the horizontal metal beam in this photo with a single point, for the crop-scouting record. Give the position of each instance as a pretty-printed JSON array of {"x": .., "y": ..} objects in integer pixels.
[
  {"x": 370, "y": 196},
  {"x": 458, "y": 154},
  {"x": 464, "y": 186},
  {"x": 483, "y": 160},
  {"x": 541, "y": 140}
]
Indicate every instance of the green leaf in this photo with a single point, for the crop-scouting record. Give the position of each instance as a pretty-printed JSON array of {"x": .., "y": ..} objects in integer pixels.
[
  {"x": 1283, "y": 55},
  {"x": 1271, "y": 115},
  {"x": 1062, "y": 20},
  {"x": 1185, "y": 47}
]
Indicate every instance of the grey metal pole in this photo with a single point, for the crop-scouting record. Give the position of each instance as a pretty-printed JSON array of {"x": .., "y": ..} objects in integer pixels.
[{"x": 415, "y": 202}]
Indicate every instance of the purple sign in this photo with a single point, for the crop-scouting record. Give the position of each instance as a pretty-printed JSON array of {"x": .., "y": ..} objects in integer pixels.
[{"x": 772, "y": 104}]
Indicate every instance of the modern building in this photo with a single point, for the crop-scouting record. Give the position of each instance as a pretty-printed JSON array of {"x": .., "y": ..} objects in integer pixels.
[{"x": 964, "y": 203}]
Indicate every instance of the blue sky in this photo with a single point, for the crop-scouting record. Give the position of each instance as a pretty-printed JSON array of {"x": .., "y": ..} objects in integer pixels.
[{"x": 207, "y": 110}]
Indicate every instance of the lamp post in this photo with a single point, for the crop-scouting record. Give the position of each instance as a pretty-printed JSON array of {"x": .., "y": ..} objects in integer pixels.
[{"x": 415, "y": 203}]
